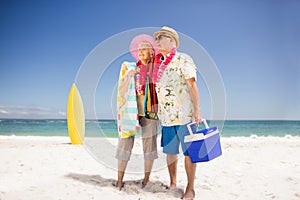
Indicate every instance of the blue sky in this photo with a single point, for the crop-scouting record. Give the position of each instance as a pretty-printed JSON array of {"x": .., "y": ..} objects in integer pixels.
[{"x": 255, "y": 45}]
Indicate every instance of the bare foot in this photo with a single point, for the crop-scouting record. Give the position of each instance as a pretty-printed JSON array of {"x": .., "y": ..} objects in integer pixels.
[
  {"x": 119, "y": 185},
  {"x": 172, "y": 186},
  {"x": 189, "y": 195},
  {"x": 144, "y": 182}
]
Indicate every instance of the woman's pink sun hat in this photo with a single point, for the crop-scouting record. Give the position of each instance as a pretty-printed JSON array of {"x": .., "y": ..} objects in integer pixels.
[{"x": 134, "y": 45}]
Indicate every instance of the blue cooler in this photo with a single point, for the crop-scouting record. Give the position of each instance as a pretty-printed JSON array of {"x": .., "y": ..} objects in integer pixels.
[{"x": 204, "y": 145}]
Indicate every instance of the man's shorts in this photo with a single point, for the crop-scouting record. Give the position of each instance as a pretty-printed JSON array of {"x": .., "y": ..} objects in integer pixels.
[{"x": 172, "y": 137}]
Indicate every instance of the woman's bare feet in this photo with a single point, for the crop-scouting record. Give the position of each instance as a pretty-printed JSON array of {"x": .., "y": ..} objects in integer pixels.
[
  {"x": 119, "y": 185},
  {"x": 144, "y": 182}
]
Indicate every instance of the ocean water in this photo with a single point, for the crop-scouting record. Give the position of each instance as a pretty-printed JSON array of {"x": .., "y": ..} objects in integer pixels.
[{"x": 108, "y": 128}]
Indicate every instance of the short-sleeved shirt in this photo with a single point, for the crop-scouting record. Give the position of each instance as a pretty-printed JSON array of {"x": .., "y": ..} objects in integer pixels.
[{"x": 175, "y": 105}]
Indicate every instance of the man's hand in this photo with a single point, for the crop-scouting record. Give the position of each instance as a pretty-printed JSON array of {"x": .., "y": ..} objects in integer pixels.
[{"x": 197, "y": 118}]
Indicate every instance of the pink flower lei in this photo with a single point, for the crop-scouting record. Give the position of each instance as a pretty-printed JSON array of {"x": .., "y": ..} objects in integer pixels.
[{"x": 158, "y": 71}]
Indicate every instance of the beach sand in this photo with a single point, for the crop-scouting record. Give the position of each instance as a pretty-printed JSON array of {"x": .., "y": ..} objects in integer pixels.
[{"x": 45, "y": 168}]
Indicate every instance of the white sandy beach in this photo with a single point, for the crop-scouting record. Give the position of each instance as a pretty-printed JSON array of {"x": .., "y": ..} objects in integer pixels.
[{"x": 45, "y": 168}]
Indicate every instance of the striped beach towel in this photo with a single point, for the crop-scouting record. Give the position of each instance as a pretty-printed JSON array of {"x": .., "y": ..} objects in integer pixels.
[{"x": 128, "y": 124}]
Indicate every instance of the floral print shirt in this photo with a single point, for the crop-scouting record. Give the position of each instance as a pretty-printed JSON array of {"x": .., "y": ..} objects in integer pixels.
[{"x": 175, "y": 105}]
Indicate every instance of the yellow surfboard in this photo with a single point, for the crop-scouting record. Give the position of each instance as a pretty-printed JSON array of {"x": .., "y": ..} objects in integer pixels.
[{"x": 76, "y": 120}]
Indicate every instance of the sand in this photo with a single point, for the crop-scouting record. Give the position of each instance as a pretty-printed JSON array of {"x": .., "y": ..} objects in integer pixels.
[{"x": 42, "y": 168}]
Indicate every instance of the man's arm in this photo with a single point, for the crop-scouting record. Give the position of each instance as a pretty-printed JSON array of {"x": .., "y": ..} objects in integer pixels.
[{"x": 191, "y": 82}]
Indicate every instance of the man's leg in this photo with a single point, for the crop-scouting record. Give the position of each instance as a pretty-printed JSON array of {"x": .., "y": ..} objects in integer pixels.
[
  {"x": 190, "y": 169},
  {"x": 172, "y": 161},
  {"x": 170, "y": 144}
]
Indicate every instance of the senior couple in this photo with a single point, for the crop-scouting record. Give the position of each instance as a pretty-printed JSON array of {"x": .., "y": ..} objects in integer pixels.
[{"x": 166, "y": 93}]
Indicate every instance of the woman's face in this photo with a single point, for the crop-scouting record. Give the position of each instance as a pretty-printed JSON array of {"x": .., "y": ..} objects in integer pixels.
[{"x": 145, "y": 52}]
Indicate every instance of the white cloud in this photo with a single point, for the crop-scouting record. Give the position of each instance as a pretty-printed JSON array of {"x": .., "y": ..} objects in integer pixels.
[
  {"x": 3, "y": 112},
  {"x": 64, "y": 114},
  {"x": 30, "y": 112}
]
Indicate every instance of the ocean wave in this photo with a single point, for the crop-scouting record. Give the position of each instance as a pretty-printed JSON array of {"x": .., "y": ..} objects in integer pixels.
[{"x": 253, "y": 136}]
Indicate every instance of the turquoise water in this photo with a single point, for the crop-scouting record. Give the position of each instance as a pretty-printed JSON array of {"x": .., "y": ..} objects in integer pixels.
[{"x": 108, "y": 128}]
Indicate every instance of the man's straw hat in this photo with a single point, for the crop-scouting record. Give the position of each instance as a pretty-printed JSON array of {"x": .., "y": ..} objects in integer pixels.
[{"x": 165, "y": 30}]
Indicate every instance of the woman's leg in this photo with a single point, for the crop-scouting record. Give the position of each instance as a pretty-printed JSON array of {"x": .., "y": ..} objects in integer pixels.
[
  {"x": 149, "y": 137},
  {"x": 123, "y": 154},
  {"x": 121, "y": 171}
]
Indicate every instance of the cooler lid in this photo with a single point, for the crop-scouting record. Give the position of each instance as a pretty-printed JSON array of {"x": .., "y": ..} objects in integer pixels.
[{"x": 207, "y": 131}]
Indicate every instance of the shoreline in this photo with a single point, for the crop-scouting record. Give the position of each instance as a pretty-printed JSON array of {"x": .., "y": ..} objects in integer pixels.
[{"x": 253, "y": 136}]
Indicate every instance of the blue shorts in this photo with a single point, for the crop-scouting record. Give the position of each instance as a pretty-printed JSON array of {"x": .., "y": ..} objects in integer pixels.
[{"x": 172, "y": 137}]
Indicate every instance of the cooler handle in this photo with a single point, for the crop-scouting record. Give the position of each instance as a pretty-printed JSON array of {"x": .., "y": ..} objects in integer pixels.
[{"x": 189, "y": 126}]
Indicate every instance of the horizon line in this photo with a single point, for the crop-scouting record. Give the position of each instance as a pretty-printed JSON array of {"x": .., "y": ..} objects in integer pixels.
[{"x": 116, "y": 119}]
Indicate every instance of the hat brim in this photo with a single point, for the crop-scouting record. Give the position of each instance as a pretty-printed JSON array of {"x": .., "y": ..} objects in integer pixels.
[
  {"x": 157, "y": 33},
  {"x": 134, "y": 45}
]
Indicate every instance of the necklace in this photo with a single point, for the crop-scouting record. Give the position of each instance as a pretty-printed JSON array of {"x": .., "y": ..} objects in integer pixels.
[{"x": 158, "y": 71}]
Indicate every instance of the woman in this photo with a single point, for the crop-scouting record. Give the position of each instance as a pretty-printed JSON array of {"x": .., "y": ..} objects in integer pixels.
[{"x": 143, "y": 50}]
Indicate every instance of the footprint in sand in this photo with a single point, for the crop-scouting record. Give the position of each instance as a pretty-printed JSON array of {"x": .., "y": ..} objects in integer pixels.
[
  {"x": 176, "y": 192},
  {"x": 271, "y": 195},
  {"x": 1, "y": 194},
  {"x": 155, "y": 187},
  {"x": 131, "y": 189},
  {"x": 235, "y": 195},
  {"x": 205, "y": 187}
]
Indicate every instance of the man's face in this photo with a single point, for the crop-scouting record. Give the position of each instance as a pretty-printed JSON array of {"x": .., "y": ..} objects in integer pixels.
[{"x": 163, "y": 43}]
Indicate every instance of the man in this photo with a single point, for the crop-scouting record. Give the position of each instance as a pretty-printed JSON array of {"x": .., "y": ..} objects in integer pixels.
[{"x": 178, "y": 103}]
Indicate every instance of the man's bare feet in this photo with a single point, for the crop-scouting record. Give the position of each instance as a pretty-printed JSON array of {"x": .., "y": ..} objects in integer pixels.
[{"x": 189, "y": 195}]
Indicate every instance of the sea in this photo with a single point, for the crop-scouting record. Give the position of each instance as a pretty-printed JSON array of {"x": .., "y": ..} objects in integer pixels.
[{"x": 108, "y": 128}]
